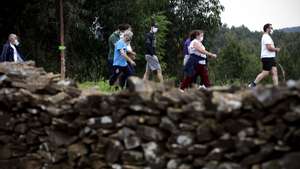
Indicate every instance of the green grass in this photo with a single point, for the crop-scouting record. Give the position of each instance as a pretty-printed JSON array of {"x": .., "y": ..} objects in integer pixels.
[{"x": 102, "y": 86}]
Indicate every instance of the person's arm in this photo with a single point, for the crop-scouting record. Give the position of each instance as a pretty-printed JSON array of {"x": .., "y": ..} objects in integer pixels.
[
  {"x": 272, "y": 49},
  {"x": 124, "y": 54},
  {"x": 202, "y": 50},
  {"x": 130, "y": 52},
  {"x": 3, "y": 54}
]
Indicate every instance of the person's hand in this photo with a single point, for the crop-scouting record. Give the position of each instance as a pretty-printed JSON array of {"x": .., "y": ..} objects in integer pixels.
[
  {"x": 278, "y": 49},
  {"x": 133, "y": 63},
  {"x": 214, "y": 55}
]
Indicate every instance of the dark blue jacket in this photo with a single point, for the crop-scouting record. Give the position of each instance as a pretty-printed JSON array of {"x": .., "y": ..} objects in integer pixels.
[
  {"x": 7, "y": 54},
  {"x": 150, "y": 43}
]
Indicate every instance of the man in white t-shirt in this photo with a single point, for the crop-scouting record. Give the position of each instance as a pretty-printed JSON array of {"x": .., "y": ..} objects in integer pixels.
[{"x": 268, "y": 55}]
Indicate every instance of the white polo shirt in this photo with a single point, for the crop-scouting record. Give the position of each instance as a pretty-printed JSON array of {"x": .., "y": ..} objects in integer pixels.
[{"x": 267, "y": 40}]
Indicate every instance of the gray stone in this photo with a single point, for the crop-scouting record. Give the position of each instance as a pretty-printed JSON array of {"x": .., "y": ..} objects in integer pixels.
[
  {"x": 168, "y": 125},
  {"x": 184, "y": 140},
  {"x": 173, "y": 163},
  {"x": 133, "y": 157},
  {"x": 204, "y": 134},
  {"x": 291, "y": 161},
  {"x": 229, "y": 166},
  {"x": 21, "y": 128},
  {"x": 275, "y": 164},
  {"x": 150, "y": 133},
  {"x": 114, "y": 151},
  {"x": 76, "y": 150},
  {"x": 132, "y": 142}
]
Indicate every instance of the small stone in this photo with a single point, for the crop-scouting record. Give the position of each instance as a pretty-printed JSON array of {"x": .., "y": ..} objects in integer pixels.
[
  {"x": 21, "y": 128},
  {"x": 173, "y": 164},
  {"x": 150, "y": 133},
  {"x": 132, "y": 142},
  {"x": 76, "y": 150},
  {"x": 184, "y": 140},
  {"x": 114, "y": 151}
]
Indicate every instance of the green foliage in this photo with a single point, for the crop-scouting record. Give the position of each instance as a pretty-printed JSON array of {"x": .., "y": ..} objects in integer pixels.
[
  {"x": 101, "y": 86},
  {"x": 234, "y": 63}
]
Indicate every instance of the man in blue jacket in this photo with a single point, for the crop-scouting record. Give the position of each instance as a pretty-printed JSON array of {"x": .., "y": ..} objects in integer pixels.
[{"x": 11, "y": 50}]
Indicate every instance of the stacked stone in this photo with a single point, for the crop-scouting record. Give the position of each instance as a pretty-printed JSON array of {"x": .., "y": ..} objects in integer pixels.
[{"x": 151, "y": 126}]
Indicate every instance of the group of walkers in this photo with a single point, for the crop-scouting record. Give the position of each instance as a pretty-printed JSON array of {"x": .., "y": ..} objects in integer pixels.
[
  {"x": 195, "y": 61},
  {"x": 121, "y": 57}
]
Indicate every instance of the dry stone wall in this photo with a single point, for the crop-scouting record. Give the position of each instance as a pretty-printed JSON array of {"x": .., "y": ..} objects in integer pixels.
[{"x": 46, "y": 123}]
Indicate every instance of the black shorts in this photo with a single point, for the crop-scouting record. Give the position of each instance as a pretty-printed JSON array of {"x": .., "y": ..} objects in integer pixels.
[{"x": 268, "y": 63}]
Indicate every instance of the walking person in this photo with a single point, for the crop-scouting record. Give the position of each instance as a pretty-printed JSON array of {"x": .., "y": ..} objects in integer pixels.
[
  {"x": 186, "y": 54},
  {"x": 197, "y": 63},
  {"x": 112, "y": 40},
  {"x": 11, "y": 50},
  {"x": 268, "y": 55},
  {"x": 153, "y": 64},
  {"x": 131, "y": 53},
  {"x": 120, "y": 65}
]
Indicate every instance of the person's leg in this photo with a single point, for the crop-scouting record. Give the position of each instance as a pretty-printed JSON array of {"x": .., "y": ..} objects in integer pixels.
[
  {"x": 261, "y": 76},
  {"x": 147, "y": 72},
  {"x": 125, "y": 74},
  {"x": 274, "y": 73},
  {"x": 115, "y": 75},
  {"x": 202, "y": 70},
  {"x": 267, "y": 66},
  {"x": 131, "y": 68},
  {"x": 186, "y": 82},
  {"x": 110, "y": 67},
  {"x": 159, "y": 75},
  {"x": 156, "y": 68}
]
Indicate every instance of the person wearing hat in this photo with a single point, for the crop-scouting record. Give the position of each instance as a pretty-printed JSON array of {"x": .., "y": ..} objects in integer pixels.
[
  {"x": 120, "y": 65},
  {"x": 153, "y": 64}
]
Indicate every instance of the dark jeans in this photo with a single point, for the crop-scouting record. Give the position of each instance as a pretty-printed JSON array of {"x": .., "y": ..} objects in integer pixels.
[
  {"x": 122, "y": 72},
  {"x": 110, "y": 67},
  {"x": 131, "y": 68}
]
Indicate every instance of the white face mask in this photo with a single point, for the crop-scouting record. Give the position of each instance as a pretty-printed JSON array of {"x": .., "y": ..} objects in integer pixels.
[
  {"x": 154, "y": 29},
  {"x": 122, "y": 35},
  {"x": 17, "y": 42},
  {"x": 271, "y": 32},
  {"x": 201, "y": 38}
]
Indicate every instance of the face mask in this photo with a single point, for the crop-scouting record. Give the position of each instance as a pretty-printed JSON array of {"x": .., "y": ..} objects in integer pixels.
[
  {"x": 155, "y": 29},
  {"x": 201, "y": 38},
  {"x": 122, "y": 35},
  {"x": 271, "y": 32},
  {"x": 17, "y": 42}
]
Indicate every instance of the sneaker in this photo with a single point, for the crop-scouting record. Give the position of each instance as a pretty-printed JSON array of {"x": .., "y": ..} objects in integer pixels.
[
  {"x": 182, "y": 91},
  {"x": 251, "y": 85},
  {"x": 201, "y": 87}
]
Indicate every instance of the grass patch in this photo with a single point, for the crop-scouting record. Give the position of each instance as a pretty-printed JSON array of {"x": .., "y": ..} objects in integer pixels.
[{"x": 102, "y": 86}]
